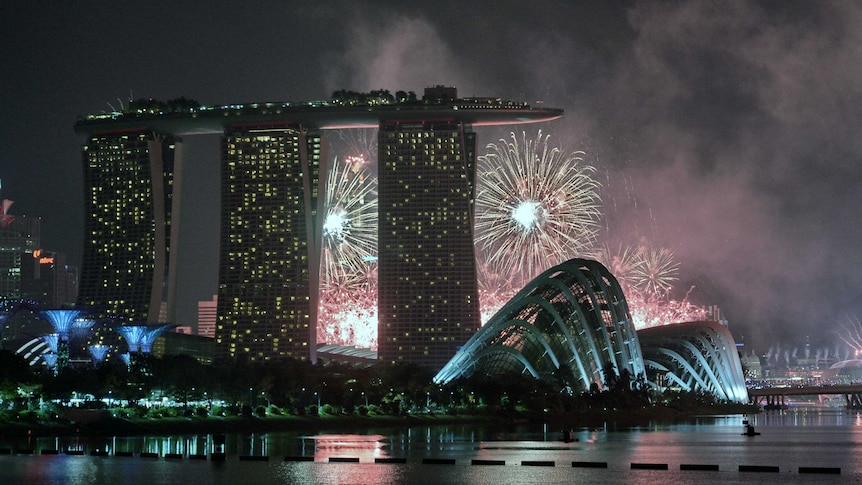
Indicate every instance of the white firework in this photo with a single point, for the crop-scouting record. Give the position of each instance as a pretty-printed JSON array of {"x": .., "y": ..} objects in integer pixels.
[
  {"x": 536, "y": 206},
  {"x": 654, "y": 271},
  {"x": 350, "y": 224}
]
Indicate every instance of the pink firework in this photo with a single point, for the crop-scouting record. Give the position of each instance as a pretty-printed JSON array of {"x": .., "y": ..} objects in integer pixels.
[
  {"x": 495, "y": 290},
  {"x": 348, "y": 290},
  {"x": 646, "y": 276},
  {"x": 650, "y": 310}
]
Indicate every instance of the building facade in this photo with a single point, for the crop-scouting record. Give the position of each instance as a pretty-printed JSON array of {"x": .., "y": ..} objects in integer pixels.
[
  {"x": 46, "y": 278},
  {"x": 19, "y": 237},
  {"x": 129, "y": 263},
  {"x": 270, "y": 242},
  {"x": 207, "y": 316},
  {"x": 428, "y": 303}
]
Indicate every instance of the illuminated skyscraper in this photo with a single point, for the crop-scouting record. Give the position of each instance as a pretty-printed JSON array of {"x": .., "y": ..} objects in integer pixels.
[
  {"x": 268, "y": 272},
  {"x": 19, "y": 237},
  {"x": 428, "y": 300},
  {"x": 128, "y": 261}
]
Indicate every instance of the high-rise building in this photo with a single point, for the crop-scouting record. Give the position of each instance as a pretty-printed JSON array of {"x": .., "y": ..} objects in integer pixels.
[
  {"x": 428, "y": 303},
  {"x": 207, "y": 312},
  {"x": 129, "y": 263},
  {"x": 46, "y": 278},
  {"x": 270, "y": 242},
  {"x": 19, "y": 236}
]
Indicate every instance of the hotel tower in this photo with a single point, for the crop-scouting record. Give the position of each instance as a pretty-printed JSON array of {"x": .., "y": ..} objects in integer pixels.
[{"x": 129, "y": 261}]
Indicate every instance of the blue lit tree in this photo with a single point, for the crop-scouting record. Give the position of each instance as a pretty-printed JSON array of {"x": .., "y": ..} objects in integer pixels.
[
  {"x": 98, "y": 353},
  {"x": 65, "y": 322},
  {"x": 140, "y": 340},
  {"x": 62, "y": 320}
]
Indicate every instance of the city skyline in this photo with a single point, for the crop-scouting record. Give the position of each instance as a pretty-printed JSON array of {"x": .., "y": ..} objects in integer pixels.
[{"x": 725, "y": 133}]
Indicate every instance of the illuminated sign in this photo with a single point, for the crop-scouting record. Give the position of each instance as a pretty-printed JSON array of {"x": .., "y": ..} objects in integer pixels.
[{"x": 37, "y": 254}]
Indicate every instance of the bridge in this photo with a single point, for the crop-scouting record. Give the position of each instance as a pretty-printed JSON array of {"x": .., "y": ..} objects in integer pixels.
[{"x": 775, "y": 397}]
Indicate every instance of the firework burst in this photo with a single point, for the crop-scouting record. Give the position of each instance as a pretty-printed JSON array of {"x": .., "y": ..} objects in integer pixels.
[
  {"x": 536, "y": 206},
  {"x": 651, "y": 310},
  {"x": 654, "y": 271},
  {"x": 350, "y": 225},
  {"x": 360, "y": 143},
  {"x": 850, "y": 332},
  {"x": 646, "y": 276},
  {"x": 621, "y": 264},
  {"x": 495, "y": 290},
  {"x": 348, "y": 291}
]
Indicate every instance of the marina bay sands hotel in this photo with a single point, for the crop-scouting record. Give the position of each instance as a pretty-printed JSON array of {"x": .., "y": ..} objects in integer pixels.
[{"x": 273, "y": 172}]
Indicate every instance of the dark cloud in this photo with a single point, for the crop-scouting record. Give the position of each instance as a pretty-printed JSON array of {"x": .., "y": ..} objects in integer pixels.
[{"x": 726, "y": 131}]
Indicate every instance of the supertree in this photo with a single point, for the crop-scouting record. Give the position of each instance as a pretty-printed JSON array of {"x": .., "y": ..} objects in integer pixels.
[
  {"x": 81, "y": 328},
  {"x": 536, "y": 206},
  {"x": 52, "y": 341},
  {"x": 50, "y": 359},
  {"x": 139, "y": 339},
  {"x": 98, "y": 353},
  {"x": 65, "y": 322}
]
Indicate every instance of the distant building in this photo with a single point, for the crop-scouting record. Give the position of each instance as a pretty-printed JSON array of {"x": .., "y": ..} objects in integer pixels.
[
  {"x": 207, "y": 312},
  {"x": 176, "y": 343},
  {"x": 128, "y": 261},
  {"x": 46, "y": 278},
  {"x": 19, "y": 235}
]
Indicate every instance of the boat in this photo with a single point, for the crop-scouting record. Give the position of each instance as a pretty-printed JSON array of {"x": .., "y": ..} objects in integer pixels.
[{"x": 749, "y": 429}]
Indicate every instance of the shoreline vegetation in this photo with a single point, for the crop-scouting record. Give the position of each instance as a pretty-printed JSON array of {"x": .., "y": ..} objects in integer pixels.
[
  {"x": 95, "y": 423},
  {"x": 174, "y": 395}
]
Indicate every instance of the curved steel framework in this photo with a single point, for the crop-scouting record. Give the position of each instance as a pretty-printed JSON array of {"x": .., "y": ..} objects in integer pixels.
[
  {"x": 567, "y": 326},
  {"x": 695, "y": 356}
]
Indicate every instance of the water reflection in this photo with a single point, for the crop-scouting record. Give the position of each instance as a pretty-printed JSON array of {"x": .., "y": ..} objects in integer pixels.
[
  {"x": 533, "y": 441},
  {"x": 790, "y": 440}
]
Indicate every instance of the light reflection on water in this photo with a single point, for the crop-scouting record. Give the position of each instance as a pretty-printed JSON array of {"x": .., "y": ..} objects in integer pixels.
[{"x": 789, "y": 440}]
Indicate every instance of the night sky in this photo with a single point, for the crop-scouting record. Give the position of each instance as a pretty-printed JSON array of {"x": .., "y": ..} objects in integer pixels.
[{"x": 728, "y": 132}]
